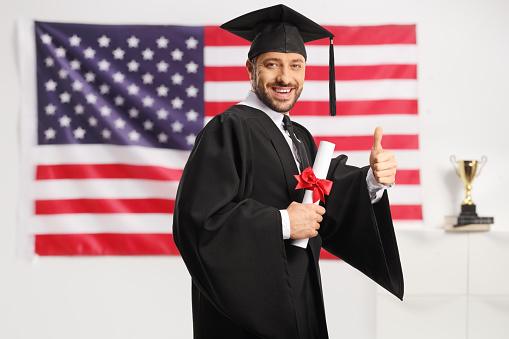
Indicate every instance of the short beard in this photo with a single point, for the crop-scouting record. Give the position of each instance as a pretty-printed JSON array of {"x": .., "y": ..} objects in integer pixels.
[{"x": 275, "y": 105}]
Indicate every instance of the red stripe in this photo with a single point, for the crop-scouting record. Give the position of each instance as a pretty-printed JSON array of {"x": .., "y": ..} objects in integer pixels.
[
  {"x": 104, "y": 206},
  {"x": 408, "y": 177},
  {"x": 344, "y": 35},
  {"x": 105, "y": 244},
  {"x": 106, "y": 171},
  {"x": 406, "y": 212},
  {"x": 310, "y": 108},
  {"x": 363, "y": 143},
  {"x": 321, "y": 73}
]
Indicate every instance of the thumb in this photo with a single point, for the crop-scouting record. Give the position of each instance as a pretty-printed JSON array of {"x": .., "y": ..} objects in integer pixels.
[{"x": 377, "y": 139}]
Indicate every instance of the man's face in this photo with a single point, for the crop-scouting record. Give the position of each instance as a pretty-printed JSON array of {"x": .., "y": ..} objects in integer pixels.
[{"x": 277, "y": 79}]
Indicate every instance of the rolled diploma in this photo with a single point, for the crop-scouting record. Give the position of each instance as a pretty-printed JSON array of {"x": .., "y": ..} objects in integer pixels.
[{"x": 320, "y": 168}]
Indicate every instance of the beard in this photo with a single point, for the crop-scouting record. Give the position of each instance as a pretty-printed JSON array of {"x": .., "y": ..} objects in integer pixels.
[{"x": 280, "y": 106}]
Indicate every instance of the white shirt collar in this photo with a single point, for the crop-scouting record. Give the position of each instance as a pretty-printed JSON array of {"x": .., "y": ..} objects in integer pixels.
[{"x": 252, "y": 100}]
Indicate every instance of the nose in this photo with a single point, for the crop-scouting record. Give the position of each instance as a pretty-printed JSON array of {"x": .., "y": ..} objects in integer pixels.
[{"x": 283, "y": 75}]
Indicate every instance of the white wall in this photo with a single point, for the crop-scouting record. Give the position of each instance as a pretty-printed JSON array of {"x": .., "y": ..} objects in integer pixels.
[{"x": 463, "y": 76}]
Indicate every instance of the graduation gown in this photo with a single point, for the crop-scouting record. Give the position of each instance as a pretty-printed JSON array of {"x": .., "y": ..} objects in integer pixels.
[{"x": 227, "y": 227}]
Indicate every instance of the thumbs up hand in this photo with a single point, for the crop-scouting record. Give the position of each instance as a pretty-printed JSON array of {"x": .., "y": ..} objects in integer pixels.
[{"x": 382, "y": 162}]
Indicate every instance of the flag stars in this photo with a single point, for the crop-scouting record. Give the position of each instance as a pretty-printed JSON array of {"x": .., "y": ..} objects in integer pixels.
[
  {"x": 77, "y": 85},
  {"x": 177, "y": 55},
  {"x": 75, "y": 40},
  {"x": 104, "y": 89},
  {"x": 162, "y": 42},
  {"x": 119, "y": 123},
  {"x": 46, "y": 39},
  {"x": 79, "y": 133},
  {"x": 118, "y": 77},
  {"x": 162, "y": 137},
  {"x": 89, "y": 53},
  {"x": 147, "y": 101},
  {"x": 192, "y": 115},
  {"x": 192, "y": 67},
  {"x": 147, "y": 78},
  {"x": 133, "y": 42},
  {"x": 64, "y": 121},
  {"x": 148, "y": 54},
  {"x": 119, "y": 101},
  {"x": 104, "y": 65},
  {"x": 63, "y": 74},
  {"x": 89, "y": 77},
  {"x": 162, "y": 91},
  {"x": 50, "y": 133},
  {"x": 133, "y": 113},
  {"x": 50, "y": 109},
  {"x": 49, "y": 62},
  {"x": 118, "y": 54},
  {"x": 92, "y": 121},
  {"x": 75, "y": 65},
  {"x": 177, "y": 79},
  {"x": 133, "y": 66},
  {"x": 177, "y": 103},
  {"x": 60, "y": 52},
  {"x": 50, "y": 86},
  {"x": 134, "y": 136},
  {"x": 65, "y": 97},
  {"x": 177, "y": 126},
  {"x": 79, "y": 109},
  {"x": 191, "y": 43},
  {"x": 106, "y": 133},
  {"x": 104, "y": 41},
  {"x": 133, "y": 89},
  {"x": 162, "y": 114},
  {"x": 192, "y": 92},
  {"x": 91, "y": 98},
  {"x": 162, "y": 66},
  {"x": 148, "y": 125},
  {"x": 105, "y": 111},
  {"x": 190, "y": 139}
]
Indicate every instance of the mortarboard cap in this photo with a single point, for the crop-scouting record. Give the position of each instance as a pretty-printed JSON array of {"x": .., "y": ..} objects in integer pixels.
[{"x": 281, "y": 29}]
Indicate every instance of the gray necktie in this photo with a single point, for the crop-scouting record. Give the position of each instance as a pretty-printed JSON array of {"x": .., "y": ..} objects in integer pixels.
[{"x": 301, "y": 150}]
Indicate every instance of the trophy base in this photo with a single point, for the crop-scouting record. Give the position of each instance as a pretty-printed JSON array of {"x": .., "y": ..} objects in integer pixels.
[{"x": 468, "y": 216}]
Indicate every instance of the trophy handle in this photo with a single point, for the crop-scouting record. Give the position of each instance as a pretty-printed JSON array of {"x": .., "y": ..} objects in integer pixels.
[
  {"x": 454, "y": 164},
  {"x": 483, "y": 161}
]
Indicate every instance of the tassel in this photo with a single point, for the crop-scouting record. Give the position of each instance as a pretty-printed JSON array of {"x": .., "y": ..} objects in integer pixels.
[{"x": 332, "y": 81}]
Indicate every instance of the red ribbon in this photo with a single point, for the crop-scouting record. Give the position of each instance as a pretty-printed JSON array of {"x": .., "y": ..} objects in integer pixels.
[{"x": 309, "y": 181}]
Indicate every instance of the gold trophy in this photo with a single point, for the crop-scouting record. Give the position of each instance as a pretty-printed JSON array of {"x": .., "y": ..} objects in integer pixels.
[{"x": 467, "y": 170}]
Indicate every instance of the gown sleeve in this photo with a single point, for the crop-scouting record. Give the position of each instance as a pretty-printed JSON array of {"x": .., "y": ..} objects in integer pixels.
[
  {"x": 232, "y": 245},
  {"x": 358, "y": 232}
]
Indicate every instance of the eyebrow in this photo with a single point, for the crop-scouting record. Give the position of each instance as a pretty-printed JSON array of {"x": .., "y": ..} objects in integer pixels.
[{"x": 280, "y": 60}]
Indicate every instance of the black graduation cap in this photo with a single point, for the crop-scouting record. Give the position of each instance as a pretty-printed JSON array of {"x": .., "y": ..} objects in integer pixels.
[{"x": 281, "y": 29}]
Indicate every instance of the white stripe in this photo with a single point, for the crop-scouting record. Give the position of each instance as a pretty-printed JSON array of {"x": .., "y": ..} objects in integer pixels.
[
  {"x": 364, "y": 55},
  {"x": 408, "y": 224},
  {"x": 405, "y": 195},
  {"x": 406, "y": 159},
  {"x": 104, "y": 189},
  {"x": 101, "y": 223},
  {"x": 110, "y": 154},
  {"x": 319, "y": 55},
  {"x": 235, "y": 91},
  {"x": 359, "y": 125}
]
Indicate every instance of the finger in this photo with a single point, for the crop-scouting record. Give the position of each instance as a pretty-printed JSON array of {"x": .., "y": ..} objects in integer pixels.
[
  {"x": 384, "y": 156},
  {"x": 382, "y": 166},
  {"x": 319, "y": 209},
  {"x": 377, "y": 138}
]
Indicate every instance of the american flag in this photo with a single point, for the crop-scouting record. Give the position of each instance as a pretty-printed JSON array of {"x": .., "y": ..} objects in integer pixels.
[{"x": 119, "y": 106}]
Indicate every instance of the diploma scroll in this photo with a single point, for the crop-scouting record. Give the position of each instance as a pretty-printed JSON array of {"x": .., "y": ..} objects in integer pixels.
[{"x": 320, "y": 168}]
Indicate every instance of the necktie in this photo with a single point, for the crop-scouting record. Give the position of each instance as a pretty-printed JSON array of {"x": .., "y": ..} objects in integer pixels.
[{"x": 301, "y": 150}]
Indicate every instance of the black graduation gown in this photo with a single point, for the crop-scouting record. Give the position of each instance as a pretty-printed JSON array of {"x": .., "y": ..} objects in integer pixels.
[{"x": 227, "y": 227}]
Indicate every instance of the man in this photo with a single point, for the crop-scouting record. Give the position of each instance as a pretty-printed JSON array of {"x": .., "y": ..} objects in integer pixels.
[{"x": 237, "y": 209}]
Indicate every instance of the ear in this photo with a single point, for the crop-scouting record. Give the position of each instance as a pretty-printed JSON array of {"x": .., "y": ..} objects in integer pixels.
[{"x": 250, "y": 69}]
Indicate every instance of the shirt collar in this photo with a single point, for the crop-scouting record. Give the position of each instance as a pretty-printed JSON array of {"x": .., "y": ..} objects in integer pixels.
[{"x": 253, "y": 101}]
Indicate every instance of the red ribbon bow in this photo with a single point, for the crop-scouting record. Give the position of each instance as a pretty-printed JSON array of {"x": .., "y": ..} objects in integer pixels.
[{"x": 308, "y": 180}]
